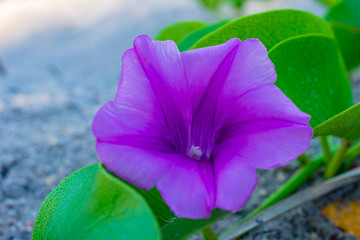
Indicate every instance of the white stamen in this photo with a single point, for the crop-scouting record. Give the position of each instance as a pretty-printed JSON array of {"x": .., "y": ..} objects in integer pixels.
[{"x": 196, "y": 152}]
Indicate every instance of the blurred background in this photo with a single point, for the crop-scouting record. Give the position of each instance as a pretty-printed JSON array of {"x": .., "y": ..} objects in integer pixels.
[{"x": 60, "y": 60}]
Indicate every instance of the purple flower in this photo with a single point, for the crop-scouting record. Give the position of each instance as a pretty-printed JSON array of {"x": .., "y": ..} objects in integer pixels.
[{"x": 196, "y": 124}]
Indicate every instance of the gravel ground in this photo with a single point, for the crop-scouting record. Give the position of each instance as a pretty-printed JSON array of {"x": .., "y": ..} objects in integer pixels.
[{"x": 51, "y": 85}]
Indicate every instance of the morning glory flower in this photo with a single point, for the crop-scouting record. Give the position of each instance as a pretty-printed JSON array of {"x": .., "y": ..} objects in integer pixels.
[{"x": 197, "y": 124}]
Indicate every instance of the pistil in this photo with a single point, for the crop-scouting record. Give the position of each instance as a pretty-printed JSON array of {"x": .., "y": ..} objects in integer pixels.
[{"x": 195, "y": 152}]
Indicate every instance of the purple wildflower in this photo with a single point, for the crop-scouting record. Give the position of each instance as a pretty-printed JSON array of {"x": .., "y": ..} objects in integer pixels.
[{"x": 196, "y": 124}]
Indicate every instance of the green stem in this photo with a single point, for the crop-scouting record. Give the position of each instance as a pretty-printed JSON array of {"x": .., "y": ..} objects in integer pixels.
[
  {"x": 335, "y": 163},
  {"x": 326, "y": 149},
  {"x": 209, "y": 234},
  {"x": 303, "y": 159},
  {"x": 351, "y": 154}
]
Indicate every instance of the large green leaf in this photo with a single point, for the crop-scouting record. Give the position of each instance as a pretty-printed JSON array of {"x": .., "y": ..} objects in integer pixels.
[
  {"x": 346, "y": 12},
  {"x": 345, "y": 124},
  {"x": 211, "y": 4},
  {"x": 93, "y": 204},
  {"x": 345, "y": 21},
  {"x": 270, "y": 27},
  {"x": 311, "y": 73},
  {"x": 329, "y": 2},
  {"x": 193, "y": 37},
  {"x": 348, "y": 38},
  {"x": 237, "y": 3},
  {"x": 215, "y": 4},
  {"x": 179, "y": 30}
]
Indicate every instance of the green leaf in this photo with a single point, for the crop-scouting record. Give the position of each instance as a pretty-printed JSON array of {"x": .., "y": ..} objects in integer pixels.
[
  {"x": 172, "y": 227},
  {"x": 153, "y": 198},
  {"x": 211, "y": 4},
  {"x": 346, "y": 12},
  {"x": 311, "y": 73},
  {"x": 181, "y": 228},
  {"x": 214, "y": 4},
  {"x": 179, "y": 30},
  {"x": 99, "y": 205},
  {"x": 193, "y": 37},
  {"x": 345, "y": 125},
  {"x": 93, "y": 204},
  {"x": 237, "y": 3},
  {"x": 345, "y": 21},
  {"x": 348, "y": 38},
  {"x": 270, "y": 27},
  {"x": 329, "y": 2}
]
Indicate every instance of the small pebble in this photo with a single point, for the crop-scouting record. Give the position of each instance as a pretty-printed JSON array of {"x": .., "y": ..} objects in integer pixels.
[
  {"x": 281, "y": 176},
  {"x": 49, "y": 181},
  {"x": 53, "y": 141},
  {"x": 313, "y": 236}
]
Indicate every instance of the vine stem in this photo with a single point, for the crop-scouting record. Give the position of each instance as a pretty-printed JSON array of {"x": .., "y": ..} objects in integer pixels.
[
  {"x": 351, "y": 154},
  {"x": 335, "y": 163},
  {"x": 326, "y": 149},
  {"x": 303, "y": 159},
  {"x": 209, "y": 234}
]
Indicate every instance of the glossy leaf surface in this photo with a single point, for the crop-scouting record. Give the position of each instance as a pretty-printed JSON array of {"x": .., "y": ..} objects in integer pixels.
[
  {"x": 329, "y": 2},
  {"x": 179, "y": 30},
  {"x": 311, "y": 73},
  {"x": 193, "y": 37},
  {"x": 270, "y": 27},
  {"x": 93, "y": 204},
  {"x": 211, "y": 4},
  {"x": 348, "y": 38},
  {"x": 346, "y": 12},
  {"x": 345, "y": 21},
  {"x": 345, "y": 124}
]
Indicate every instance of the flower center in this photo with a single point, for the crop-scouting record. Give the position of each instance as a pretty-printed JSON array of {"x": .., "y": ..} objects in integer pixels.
[{"x": 195, "y": 152}]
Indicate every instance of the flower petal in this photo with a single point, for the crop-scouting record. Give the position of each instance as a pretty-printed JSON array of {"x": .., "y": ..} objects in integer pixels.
[
  {"x": 141, "y": 167},
  {"x": 135, "y": 89},
  {"x": 240, "y": 67},
  {"x": 204, "y": 119},
  {"x": 163, "y": 67},
  {"x": 132, "y": 149},
  {"x": 266, "y": 102},
  {"x": 201, "y": 65},
  {"x": 270, "y": 143},
  {"x": 131, "y": 145},
  {"x": 116, "y": 124},
  {"x": 251, "y": 68},
  {"x": 188, "y": 188},
  {"x": 266, "y": 128},
  {"x": 235, "y": 181}
]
